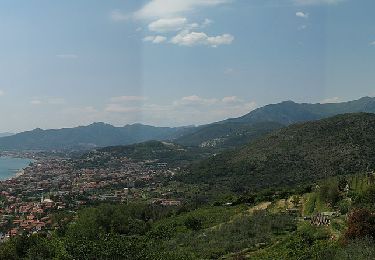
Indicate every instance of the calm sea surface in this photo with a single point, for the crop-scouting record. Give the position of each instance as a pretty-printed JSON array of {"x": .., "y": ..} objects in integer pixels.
[{"x": 10, "y": 166}]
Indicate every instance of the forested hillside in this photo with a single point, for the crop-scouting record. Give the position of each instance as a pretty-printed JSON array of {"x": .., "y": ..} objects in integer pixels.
[
  {"x": 301, "y": 153},
  {"x": 227, "y": 135}
]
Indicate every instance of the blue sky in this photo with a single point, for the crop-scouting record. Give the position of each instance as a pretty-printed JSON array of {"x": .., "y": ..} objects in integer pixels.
[{"x": 177, "y": 62}]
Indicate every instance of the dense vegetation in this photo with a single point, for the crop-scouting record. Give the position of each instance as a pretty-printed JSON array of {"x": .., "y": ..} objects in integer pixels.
[
  {"x": 298, "y": 154},
  {"x": 263, "y": 197},
  {"x": 163, "y": 152},
  {"x": 258, "y": 230},
  {"x": 226, "y": 134},
  {"x": 146, "y": 232}
]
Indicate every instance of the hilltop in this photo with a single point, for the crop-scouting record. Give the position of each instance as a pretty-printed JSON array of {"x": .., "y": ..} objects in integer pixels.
[
  {"x": 289, "y": 112},
  {"x": 235, "y": 132},
  {"x": 297, "y": 154},
  {"x": 227, "y": 135}
]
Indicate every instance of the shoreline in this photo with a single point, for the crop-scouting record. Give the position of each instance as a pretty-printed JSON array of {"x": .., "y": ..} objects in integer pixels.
[{"x": 15, "y": 173}]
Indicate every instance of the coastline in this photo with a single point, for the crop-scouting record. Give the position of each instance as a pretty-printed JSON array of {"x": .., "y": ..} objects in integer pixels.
[
  {"x": 15, "y": 169},
  {"x": 19, "y": 173}
]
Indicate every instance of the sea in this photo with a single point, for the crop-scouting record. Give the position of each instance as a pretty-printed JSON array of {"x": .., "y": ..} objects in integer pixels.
[{"x": 9, "y": 166}]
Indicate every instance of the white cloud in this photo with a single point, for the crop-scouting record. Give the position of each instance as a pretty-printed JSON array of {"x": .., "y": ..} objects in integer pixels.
[
  {"x": 168, "y": 24},
  {"x": 316, "y": 2},
  {"x": 155, "y": 39},
  {"x": 331, "y": 100},
  {"x": 231, "y": 99},
  {"x": 184, "y": 111},
  {"x": 302, "y": 27},
  {"x": 67, "y": 56},
  {"x": 173, "y": 8},
  {"x": 372, "y": 43},
  {"x": 128, "y": 99},
  {"x": 186, "y": 38},
  {"x": 165, "y": 25},
  {"x": 302, "y": 15},
  {"x": 195, "y": 100},
  {"x": 1, "y": 93},
  {"x": 118, "y": 16},
  {"x": 170, "y": 16}
]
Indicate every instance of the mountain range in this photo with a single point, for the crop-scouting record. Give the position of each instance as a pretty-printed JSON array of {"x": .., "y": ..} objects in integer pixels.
[
  {"x": 241, "y": 130},
  {"x": 87, "y": 137},
  {"x": 289, "y": 112},
  {"x": 229, "y": 133}
]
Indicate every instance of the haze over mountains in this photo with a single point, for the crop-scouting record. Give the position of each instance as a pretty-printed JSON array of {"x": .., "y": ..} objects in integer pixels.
[
  {"x": 5, "y": 134},
  {"x": 86, "y": 137},
  {"x": 228, "y": 133},
  {"x": 289, "y": 112},
  {"x": 268, "y": 118}
]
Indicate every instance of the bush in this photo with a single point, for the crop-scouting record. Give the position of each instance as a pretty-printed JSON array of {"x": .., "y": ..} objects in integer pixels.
[
  {"x": 193, "y": 223},
  {"x": 361, "y": 224}
]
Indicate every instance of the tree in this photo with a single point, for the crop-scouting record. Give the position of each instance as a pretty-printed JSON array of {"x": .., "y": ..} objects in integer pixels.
[{"x": 361, "y": 223}]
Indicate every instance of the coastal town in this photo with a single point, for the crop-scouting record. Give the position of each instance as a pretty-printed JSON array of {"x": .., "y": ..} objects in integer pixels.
[{"x": 49, "y": 185}]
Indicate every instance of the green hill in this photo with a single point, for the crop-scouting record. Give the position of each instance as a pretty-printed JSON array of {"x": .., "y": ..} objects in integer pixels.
[
  {"x": 235, "y": 132},
  {"x": 227, "y": 135},
  {"x": 298, "y": 154},
  {"x": 163, "y": 152}
]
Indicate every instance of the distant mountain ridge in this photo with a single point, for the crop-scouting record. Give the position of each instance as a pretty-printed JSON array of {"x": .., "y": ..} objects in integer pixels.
[
  {"x": 85, "y": 137},
  {"x": 289, "y": 112},
  {"x": 235, "y": 132},
  {"x": 229, "y": 133}
]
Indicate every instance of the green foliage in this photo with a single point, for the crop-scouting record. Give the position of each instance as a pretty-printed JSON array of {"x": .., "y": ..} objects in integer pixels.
[
  {"x": 295, "y": 155},
  {"x": 145, "y": 232},
  {"x": 367, "y": 197},
  {"x": 170, "y": 153},
  {"x": 329, "y": 192},
  {"x": 307, "y": 243},
  {"x": 243, "y": 232},
  {"x": 193, "y": 223},
  {"x": 359, "y": 249},
  {"x": 227, "y": 135},
  {"x": 344, "y": 206}
]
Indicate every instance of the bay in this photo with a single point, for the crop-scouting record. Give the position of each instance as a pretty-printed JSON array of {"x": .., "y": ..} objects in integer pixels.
[{"x": 10, "y": 166}]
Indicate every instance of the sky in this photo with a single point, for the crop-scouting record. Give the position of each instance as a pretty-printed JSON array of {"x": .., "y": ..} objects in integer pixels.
[{"x": 177, "y": 62}]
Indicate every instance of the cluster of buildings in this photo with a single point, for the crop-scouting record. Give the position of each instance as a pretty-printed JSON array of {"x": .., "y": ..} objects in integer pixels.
[{"x": 51, "y": 184}]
